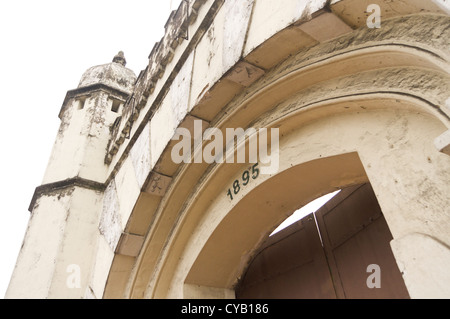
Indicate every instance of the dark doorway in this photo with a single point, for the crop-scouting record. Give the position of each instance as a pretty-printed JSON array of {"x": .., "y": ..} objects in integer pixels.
[{"x": 341, "y": 251}]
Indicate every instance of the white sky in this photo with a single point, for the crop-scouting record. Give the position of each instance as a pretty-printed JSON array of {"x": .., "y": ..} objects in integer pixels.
[
  {"x": 46, "y": 46},
  {"x": 309, "y": 208}
]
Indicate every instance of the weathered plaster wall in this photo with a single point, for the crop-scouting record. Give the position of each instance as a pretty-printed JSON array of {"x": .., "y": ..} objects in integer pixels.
[{"x": 61, "y": 232}]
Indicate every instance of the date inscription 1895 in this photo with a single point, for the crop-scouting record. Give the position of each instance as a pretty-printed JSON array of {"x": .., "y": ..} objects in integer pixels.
[{"x": 252, "y": 173}]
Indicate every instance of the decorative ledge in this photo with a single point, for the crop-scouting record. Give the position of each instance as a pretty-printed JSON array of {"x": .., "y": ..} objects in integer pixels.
[{"x": 61, "y": 185}]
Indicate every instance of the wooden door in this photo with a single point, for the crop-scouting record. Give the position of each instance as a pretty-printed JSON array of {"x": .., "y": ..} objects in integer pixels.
[
  {"x": 290, "y": 265},
  {"x": 346, "y": 254},
  {"x": 356, "y": 241}
]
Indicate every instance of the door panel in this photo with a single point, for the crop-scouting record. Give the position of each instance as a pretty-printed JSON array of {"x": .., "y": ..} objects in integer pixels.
[{"x": 356, "y": 235}]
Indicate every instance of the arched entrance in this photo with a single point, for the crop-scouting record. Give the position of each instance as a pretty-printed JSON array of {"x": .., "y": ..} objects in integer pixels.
[{"x": 232, "y": 237}]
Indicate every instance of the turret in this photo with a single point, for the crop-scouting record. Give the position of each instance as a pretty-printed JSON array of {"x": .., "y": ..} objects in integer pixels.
[
  {"x": 86, "y": 116},
  {"x": 58, "y": 251}
]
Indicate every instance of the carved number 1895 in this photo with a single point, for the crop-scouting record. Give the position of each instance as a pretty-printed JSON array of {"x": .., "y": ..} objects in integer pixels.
[{"x": 254, "y": 173}]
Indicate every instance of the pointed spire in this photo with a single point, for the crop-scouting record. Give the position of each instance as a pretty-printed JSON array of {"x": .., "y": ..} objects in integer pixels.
[{"x": 120, "y": 58}]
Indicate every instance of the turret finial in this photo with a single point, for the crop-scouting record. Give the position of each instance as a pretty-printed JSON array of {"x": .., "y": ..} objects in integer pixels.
[{"x": 120, "y": 58}]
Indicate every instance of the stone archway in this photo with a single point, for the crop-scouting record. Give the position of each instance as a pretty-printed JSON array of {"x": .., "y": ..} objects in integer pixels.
[
  {"x": 228, "y": 247},
  {"x": 203, "y": 235}
]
